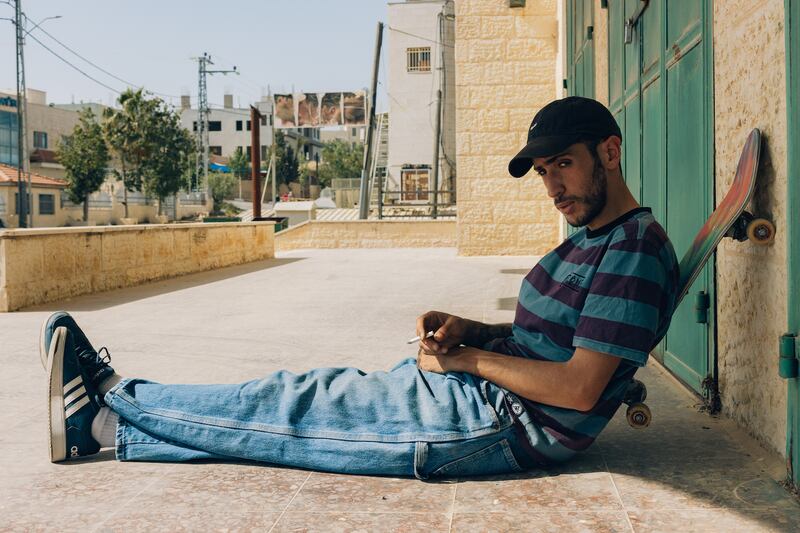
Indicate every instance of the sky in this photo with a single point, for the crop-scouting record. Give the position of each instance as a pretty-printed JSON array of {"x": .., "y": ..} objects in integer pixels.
[{"x": 305, "y": 45}]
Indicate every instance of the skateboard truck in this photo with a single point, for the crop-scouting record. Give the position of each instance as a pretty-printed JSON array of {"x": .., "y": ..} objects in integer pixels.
[{"x": 747, "y": 227}]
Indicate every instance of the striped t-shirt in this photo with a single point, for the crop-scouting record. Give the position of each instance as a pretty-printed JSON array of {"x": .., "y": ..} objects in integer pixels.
[{"x": 611, "y": 290}]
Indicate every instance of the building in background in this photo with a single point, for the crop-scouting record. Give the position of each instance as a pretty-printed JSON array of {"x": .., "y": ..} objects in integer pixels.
[
  {"x": 421, "y": 61},
  {"x": 47, "y": 123}
]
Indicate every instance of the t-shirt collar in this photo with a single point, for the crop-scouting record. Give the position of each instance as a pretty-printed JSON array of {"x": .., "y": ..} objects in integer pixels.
[{"x": 602, "y": 230}]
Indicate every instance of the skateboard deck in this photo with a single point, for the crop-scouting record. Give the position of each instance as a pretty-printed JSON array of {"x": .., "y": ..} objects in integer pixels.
[{"x": 729, "y": 218}]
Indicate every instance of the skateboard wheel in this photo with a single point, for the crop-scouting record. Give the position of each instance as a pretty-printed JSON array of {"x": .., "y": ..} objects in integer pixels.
[
  {"x": 639, "y": 416},
  {"x": 761, "y": 231}
]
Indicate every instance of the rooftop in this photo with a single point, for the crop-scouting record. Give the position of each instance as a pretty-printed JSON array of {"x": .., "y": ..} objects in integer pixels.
[
  {"x": 313, "y": 308},
  {"x": 10, "y": 175}
]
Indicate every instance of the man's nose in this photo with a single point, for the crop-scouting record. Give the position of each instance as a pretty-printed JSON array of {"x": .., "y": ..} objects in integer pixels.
[{"x": 554, "y": 186}]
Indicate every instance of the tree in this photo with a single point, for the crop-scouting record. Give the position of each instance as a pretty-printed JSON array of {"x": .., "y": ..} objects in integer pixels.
[
  {"x": 167, "y": 169},
  {"x": 239, "y": 166},
  {"x": 85, "y": 157},
  {"x": 286, "y": 160},
  {"x": 341, "y": 159},
  {"x": 221, "y": 186},
  {"x": 127, "y": 132}
]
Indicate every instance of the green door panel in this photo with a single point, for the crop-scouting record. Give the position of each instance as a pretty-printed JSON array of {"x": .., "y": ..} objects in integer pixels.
[
  {"x": 687, "y": 342},
  {"x": 616, "y": 58},
  {"x": 632, "y": 151}
]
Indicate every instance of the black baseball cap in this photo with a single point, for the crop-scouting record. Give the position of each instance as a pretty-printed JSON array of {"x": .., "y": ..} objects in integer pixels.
[{"x": 560, "y": 124}]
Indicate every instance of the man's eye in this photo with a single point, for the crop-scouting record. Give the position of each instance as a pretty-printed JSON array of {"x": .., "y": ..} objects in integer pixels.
[
  {"x": 564, "y": 163},
  {"x": 541, "y": 171}
]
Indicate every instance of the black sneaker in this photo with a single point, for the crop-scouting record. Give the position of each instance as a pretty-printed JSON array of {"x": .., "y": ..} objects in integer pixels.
[
  {"x": 71, "y": 406},
  {"x": 95, "y": 367}
]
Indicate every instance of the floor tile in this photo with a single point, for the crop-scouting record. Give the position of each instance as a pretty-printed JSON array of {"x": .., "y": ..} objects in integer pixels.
[
  {"x": 335, "y": 492},
  {"x": 543, "y": 522},
  {"x": 333, "y": 522}
]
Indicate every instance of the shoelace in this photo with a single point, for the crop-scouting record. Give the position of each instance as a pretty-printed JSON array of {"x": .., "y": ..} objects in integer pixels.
[{"x": 106, "y": 359}]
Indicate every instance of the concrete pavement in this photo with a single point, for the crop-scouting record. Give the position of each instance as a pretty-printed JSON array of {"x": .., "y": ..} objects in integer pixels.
[{"x": 312, "y": 308}]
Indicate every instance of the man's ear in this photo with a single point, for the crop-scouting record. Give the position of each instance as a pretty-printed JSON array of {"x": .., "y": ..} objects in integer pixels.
[{"x": 610, "y": 152}]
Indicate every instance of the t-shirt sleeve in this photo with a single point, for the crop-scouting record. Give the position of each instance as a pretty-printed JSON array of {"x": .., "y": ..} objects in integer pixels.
[{"x": 625, "y": 303}]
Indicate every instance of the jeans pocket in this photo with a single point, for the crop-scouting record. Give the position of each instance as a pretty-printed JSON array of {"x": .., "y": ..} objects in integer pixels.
[{"x": 495, "y": 458}]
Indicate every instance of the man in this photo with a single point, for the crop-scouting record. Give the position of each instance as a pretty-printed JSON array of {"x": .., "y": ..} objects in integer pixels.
[{"x": 479, "y": 399}]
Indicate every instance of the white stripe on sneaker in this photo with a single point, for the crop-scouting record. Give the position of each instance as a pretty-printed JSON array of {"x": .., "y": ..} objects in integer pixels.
[
  {"x": 72, "y": 384},
  {"x": 80, "y": 391},
  {"x": 75, "y": 407}
]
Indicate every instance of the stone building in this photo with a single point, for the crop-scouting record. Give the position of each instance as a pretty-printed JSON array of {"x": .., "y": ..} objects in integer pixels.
[{"x": 686, "y": 81}]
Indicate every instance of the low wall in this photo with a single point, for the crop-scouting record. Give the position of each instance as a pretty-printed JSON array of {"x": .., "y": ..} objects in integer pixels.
[
  {"x": 368, "y": 234},
  {"x": 47, "y": 265}
]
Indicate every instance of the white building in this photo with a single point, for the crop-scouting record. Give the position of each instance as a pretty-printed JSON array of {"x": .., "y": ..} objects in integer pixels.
[
  {"x": 229, "y": 128},
  {"x": 421, "y": 38}
]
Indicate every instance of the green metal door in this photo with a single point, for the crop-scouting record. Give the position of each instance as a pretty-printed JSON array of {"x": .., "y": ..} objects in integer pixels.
[
  {"x": 689, "y": 179},
  {"x": 580, "y": 48},
  {"x": 792, "y": 17},
  {"x": 660, "y": 93}
]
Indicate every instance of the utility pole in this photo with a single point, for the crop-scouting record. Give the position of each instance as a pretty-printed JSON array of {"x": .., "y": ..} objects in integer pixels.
[
  {"x": 436, "y": 137},
  {"x": 202, "y": 115},
  {"x": 255, "y": 159},
  {"x": 22, "y": 130},
  {"x": 363, "y": 203}
]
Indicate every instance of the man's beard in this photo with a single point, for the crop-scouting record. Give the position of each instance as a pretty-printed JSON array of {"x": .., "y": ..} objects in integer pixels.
[{"x": 594, "y": 200}]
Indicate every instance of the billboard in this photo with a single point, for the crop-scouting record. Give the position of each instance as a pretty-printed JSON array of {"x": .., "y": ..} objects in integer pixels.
[{"x": 315, "y": 110}]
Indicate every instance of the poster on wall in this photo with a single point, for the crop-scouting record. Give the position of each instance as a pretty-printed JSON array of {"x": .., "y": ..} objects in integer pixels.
[
  {"x": 331, "y": 110},
  {"x": 354, "y": 108},
  {"x": 315, "y": 110},
  {"x": 284, "y": 111},
  {"x": 307, "y": 110}
]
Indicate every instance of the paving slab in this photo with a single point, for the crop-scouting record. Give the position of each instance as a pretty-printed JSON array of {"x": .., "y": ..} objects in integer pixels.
[{"x": 313, "y": 308}]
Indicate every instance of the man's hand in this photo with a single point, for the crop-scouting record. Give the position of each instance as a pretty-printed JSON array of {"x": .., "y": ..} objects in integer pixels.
[
  {"x": 438, "y": 363},
  {"x": 449, "y": 331}
]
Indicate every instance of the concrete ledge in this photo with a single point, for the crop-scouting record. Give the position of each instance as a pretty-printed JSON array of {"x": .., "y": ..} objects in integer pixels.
[
  {"x": 50, "y": 264},
  {"x": 368, "y": 234}
]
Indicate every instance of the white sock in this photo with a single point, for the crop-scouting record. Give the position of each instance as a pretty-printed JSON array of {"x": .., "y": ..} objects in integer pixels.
[
  {"x": 104, "y": 427},
  {"x": 109, "y": 383}
]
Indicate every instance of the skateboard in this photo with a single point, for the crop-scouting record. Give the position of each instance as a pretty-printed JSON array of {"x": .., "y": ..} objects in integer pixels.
[{"x": 729, "y": 219}]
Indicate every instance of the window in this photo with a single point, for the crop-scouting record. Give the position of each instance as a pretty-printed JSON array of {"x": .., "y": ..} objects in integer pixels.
[
  {"x": 414, "y": 184},
  {"x": 263, "y": 120},
  {"x": 194, "y": 126},
  {"x": 418, "y": 59},
  {"x": 238, "y": 125},
  {"x": 216, "y": 150},
  {"x": 47, "y": 204},
  {"x": 214, "y": 125},
  {"x": 40, "y": 139},
  {"x": 248, "y": 125},
  {"x": 249, "y": 153},
  {"x": 263, "y": 152}
]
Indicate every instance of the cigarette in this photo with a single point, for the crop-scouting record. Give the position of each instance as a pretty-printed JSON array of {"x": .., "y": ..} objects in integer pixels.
[{"x": 418, "y": 338}]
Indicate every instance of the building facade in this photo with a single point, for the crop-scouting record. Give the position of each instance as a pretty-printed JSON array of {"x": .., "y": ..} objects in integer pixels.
[
  {"x": 421, "y": 62},
  {"x": 687, "y": 81}
]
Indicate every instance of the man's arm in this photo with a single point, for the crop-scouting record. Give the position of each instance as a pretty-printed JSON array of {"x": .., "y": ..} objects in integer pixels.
[
  {"x": 477, "y": 333},
  {"x": 575, "y": 384}
]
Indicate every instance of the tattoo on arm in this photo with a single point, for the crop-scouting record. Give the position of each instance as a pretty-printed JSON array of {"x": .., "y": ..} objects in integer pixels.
[{"x": 479, "y": 334}]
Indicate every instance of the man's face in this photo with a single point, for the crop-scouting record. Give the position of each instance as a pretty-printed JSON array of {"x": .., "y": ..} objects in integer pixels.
[{"x": 576, "y": 182}]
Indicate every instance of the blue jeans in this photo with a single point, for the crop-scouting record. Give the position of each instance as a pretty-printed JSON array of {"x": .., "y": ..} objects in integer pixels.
[{"x": 402, "y": 422}]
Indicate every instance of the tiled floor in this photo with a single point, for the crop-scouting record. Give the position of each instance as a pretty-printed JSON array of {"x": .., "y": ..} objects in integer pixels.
[{"x": 687, "y": 472}]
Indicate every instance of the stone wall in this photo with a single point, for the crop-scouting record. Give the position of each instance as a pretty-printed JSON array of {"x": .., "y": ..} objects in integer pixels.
[
  {"x": 750, "y": 92},
  {"x": 47, "y": 265},
  {"x": 505, "y": 68},
  {"x": 368, "y": 234}
]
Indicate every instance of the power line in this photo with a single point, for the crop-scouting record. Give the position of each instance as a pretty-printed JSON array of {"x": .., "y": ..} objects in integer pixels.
[
  {"x": 73, "y": 66},
  {"x": 101, "y": 69},
  {"x": 420, "y": 37}
]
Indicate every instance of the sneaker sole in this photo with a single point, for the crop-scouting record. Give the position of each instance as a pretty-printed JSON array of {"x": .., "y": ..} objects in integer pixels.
[
  {"x": 55, "y": 400},
  {"x": 43, "y": 351}
]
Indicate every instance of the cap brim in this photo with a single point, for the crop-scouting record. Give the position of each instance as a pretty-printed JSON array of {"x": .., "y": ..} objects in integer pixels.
[{"x": 540, "y": 147}]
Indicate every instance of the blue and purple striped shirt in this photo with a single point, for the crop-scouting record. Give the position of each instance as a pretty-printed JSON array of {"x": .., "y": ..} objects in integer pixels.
[{"x": 611, "y": 290}]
